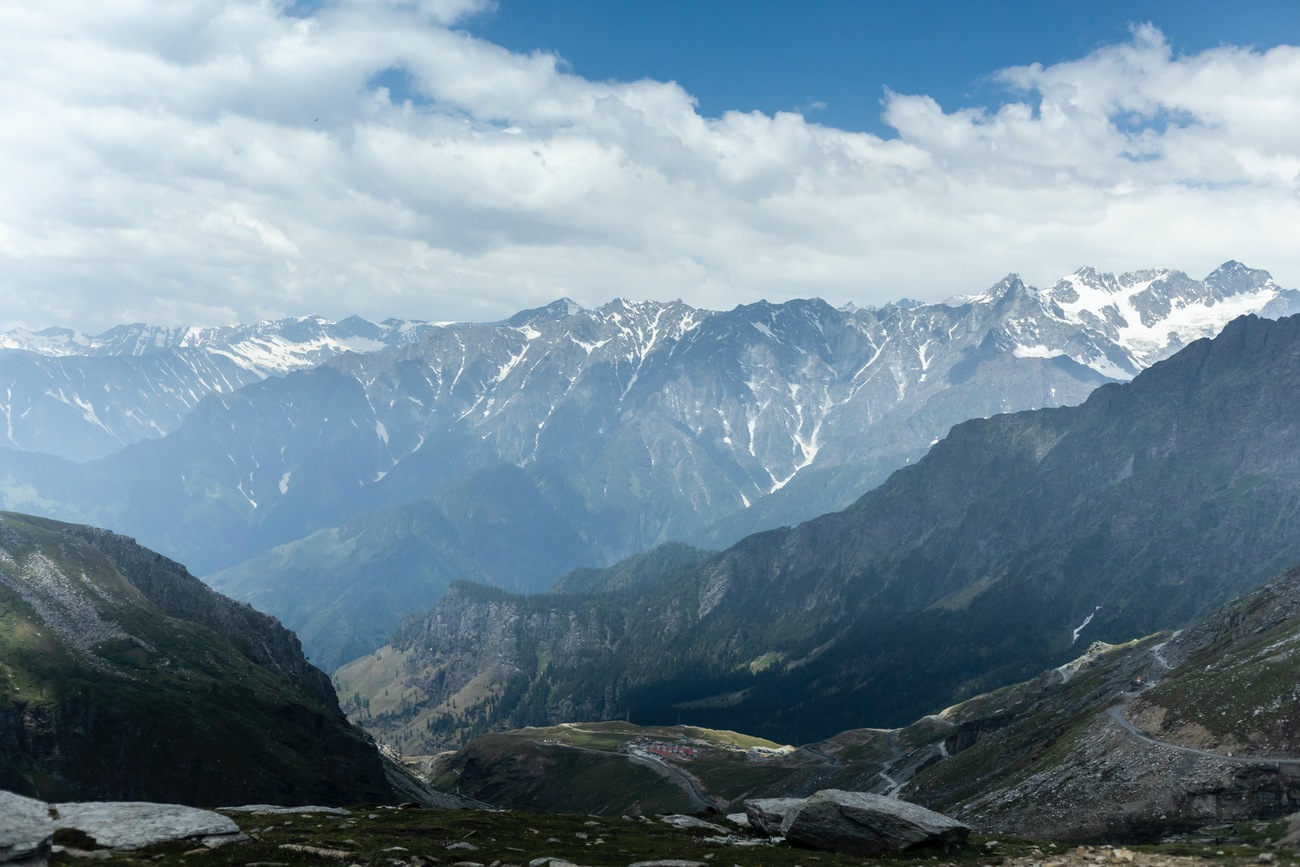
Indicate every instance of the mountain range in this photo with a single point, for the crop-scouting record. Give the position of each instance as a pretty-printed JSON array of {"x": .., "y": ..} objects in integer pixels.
[
  {"x": 623, "y": 427},
  {"x": 1014, "y": 539}
]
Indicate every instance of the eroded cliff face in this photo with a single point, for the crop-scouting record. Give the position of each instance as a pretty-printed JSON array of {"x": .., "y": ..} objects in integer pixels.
[{"x": 123, "y": 677}]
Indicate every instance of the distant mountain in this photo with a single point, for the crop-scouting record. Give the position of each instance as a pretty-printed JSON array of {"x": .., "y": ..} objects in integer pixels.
[
  {"x": 635, "y": 423},
  {"x": 84, "y": 397},
  {"x": 122, "y": 677},
  {"x": 1014, "y": 538}
]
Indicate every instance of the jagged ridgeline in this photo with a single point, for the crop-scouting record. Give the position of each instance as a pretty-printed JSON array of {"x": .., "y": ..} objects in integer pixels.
[
  {"x": 124, "y": 677},
  {"x": 1013, "y": 540}
]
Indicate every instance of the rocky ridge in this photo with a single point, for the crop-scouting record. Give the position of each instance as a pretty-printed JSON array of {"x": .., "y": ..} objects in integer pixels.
[{"x": 1185, "y": 736}]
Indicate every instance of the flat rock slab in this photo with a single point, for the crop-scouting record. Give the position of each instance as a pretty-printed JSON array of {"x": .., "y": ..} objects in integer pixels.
[
  {"x": 133, "y": 824},
  {"x": 862, "y": 824},
  {"x": 25, "y": 830},
  {"x": 671, "y": 862}
]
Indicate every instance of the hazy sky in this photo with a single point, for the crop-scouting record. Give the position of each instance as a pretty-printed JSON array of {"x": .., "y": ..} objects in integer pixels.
[{"x": 214, "y": 161}]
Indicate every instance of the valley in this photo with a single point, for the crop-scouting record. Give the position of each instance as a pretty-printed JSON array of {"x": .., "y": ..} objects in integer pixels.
[
  {"x": 1036, "y": 610},
  {"x": 485, "y": 433}
]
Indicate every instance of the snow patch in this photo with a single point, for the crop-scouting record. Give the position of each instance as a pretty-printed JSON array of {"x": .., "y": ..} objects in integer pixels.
[{"x": 1085, "y": 622}]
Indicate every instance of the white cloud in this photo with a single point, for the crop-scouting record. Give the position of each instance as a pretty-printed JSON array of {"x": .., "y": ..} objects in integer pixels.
[{"x": 200, "y": 161}]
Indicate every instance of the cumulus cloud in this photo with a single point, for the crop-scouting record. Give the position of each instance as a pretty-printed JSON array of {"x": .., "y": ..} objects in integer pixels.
[{"x": 202, "y": 161}]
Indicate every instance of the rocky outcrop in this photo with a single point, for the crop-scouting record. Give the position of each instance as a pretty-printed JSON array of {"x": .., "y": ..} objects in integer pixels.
[
  {"x": 131, "y": 825},
  {"x": 856, "y": 823}
]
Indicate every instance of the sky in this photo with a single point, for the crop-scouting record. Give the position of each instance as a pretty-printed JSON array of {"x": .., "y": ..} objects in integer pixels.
[{"x": 202, "y": 162}]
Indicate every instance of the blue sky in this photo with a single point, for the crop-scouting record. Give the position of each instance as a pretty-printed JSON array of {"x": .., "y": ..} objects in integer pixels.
[
  {"x": 198, "y": 162},
  {"x": 782, "y": 55}
]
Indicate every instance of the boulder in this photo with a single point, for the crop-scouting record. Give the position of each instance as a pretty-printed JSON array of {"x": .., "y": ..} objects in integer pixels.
[
  {"x": 133, "y": 825},
  {"x": 861, "y": 824},
  {"x": 26, "y": 830},
  {"x": 767, "y": 814}
]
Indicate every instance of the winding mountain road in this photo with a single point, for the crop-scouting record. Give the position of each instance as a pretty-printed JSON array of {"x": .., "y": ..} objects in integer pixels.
[{"x": 1117, "y": 714}]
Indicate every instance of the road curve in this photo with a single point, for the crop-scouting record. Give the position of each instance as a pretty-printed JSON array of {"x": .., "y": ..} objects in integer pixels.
[{"x": 1117, "y": 714}]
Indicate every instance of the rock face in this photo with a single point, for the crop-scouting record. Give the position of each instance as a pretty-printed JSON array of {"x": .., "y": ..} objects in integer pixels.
[
  {"x": 855, "y": 823},
  {"x": 1156, "y": 736}
]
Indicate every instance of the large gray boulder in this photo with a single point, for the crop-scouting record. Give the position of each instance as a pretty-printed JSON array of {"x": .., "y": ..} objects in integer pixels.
[
  {"x": 857, "y": 823},
  {"x": 26, "y": 830},
  {"x": 767, "y": 814}
]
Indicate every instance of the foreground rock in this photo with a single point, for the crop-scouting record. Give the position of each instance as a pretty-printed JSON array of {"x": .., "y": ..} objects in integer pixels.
[
  {"x": 855, "y": 823},
  {"x": 134, "y": 825},
  {"x": 25, "y": 830},
  {"x": 767, "y": 814},
  {"x": 27, "y": 826}
]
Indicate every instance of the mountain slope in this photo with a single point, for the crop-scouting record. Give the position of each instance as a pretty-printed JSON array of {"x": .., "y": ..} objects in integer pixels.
[
  {"x": 122, "y": 677},
  {"x": 1013, "y": 538},
  {"x": 1170, "y": 733}
]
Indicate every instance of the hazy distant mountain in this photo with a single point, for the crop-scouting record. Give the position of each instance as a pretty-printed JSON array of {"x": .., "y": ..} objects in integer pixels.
[
  {"x": 85, "y": 397},
  {"x": 635, "y": 423},
  {"x": 981, "y": 564}
]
